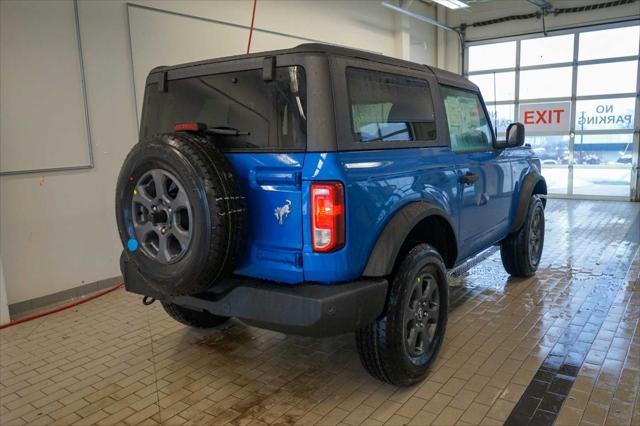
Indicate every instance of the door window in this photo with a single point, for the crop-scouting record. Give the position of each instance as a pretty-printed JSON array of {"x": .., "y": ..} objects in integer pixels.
[{"x": 469, "y": 128}]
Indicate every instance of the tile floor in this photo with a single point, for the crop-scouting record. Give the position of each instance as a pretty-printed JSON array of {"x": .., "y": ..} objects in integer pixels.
[{"x": 561, "y": 347}]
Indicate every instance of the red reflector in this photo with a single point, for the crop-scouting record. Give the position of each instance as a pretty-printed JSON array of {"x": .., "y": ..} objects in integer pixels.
[
  {"x": 328, "y": 216},
  {"x": 190, "y": 127}
]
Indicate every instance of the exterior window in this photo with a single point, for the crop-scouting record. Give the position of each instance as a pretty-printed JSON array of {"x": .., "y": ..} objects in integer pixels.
[
  {"x": 545, "y": 83},
  {"x": 611, "y": 43},
  {"x": 273, "y": 113},
  {"x": 492, "y": 56},
  {"x": 600, "y": 149},
  {"x": 503, "y": 88},
  {"x": 501, "y": 116},
  {"x": 389, "y": 107},
  {"x": 469, "y": 129},
  {"x": 620, "y": 77},
  {"x": 546, "y": 50}
]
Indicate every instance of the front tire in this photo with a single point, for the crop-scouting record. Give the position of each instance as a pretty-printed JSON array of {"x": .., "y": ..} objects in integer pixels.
[
  {"x": 399, "y": 347},
  {"x": 192, "y": 318},
  {"x": 522, "y": 250}
]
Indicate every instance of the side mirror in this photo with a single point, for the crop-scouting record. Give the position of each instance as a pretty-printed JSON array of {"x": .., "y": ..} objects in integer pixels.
[{"x": 515, "y": 135}]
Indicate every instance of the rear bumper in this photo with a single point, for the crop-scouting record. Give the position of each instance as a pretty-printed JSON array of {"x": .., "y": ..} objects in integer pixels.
[{"x": 305, "y": 309}]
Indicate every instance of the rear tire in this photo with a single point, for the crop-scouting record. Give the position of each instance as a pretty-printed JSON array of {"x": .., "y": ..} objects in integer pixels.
[
  {"x": 522, "y": 250},
  {"x": 399, "y": 347},
  {"x": 196, "y": 319}
]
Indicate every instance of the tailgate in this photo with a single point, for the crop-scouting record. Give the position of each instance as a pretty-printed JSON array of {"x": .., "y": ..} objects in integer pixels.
[{"x": 271, "y": 184}]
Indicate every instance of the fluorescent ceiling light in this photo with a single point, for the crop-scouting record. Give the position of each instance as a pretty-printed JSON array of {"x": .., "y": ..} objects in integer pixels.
[{"x": 452, "y": 4}]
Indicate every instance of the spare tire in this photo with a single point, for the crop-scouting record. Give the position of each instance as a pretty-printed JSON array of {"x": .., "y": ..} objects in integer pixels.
[{"x": 180, "y": 214}]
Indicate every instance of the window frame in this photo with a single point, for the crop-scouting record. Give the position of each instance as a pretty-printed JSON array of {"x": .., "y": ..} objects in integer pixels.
[
  {"x": 486, "y": 114},
  {"x": 343, "y": 115}
]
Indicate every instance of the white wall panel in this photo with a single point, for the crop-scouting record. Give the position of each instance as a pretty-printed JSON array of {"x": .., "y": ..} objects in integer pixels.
[
  {"x": 57, "y": 230},
  {"x": 43, "y": 122},
  {"x": 162, "y": 38}
]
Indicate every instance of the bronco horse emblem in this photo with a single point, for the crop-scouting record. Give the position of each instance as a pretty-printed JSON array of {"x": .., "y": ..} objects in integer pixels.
[{"x": 282, "y": 212}]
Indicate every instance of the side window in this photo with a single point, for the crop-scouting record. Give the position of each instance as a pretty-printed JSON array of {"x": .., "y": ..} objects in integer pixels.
[
  {"x": 389, "y": 107},
  {"x": 469, "y": 128}
]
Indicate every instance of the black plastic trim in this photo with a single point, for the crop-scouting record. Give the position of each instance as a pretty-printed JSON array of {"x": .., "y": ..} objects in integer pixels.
[
  {"x": 309, "y": 309},
  {"x": 529, "y": 183},
  {"x": 384, "y": 253}
]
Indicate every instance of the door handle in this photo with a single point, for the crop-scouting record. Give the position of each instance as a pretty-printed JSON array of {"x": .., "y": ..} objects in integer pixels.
[{"x": 469, "y": 178}]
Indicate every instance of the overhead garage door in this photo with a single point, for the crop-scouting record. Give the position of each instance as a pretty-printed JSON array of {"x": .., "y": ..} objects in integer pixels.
[{"x": 576, "y": 91}]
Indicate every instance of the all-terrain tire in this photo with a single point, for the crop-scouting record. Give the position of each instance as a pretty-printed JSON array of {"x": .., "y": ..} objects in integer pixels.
[
  {"x": 521, "y": 250},
  {"x": 383, "y": 346},
  {"x": 217, "y": 212},
  {"x": 196, "y": 319}
]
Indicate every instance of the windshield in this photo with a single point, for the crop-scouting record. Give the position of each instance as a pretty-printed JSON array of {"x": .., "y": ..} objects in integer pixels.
[{"x": 271, "y": 113}]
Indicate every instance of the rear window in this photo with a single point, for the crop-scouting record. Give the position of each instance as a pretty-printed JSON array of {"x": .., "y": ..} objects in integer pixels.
[
  {"x": 389, "y": 107},
  {"x": 272, "y": 112}
]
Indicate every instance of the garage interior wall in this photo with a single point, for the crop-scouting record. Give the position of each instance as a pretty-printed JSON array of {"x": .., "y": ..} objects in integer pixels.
[{"x": 57, "y": 229}]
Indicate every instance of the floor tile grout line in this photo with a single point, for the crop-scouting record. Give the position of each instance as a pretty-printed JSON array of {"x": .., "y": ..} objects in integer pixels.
[
  {"x": 546, "y": 293},
  {"x": 608, "y": 408},
  {"x": 511, "y": 419},
  {"x": 635, "y": 330},
  {"x": 153, "y": 366}
]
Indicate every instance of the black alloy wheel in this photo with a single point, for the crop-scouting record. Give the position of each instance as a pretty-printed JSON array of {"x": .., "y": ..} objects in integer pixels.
[
  {"x": 536, "y": 235},
  {"x": 162, "y": 216},
  {"x": 421, "y": 315}
]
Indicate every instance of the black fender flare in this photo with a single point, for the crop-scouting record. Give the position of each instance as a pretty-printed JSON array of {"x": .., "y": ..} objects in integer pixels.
[
  {"x": 384, "y": 253},
  {"x": 526, "y": 191}
]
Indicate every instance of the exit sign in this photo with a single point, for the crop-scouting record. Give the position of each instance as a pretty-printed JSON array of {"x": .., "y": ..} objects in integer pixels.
[{"x": 546, "y": 118}]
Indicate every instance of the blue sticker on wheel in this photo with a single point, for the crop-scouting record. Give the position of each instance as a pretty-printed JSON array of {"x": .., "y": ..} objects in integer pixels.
[{"x": 132, "y": 245}]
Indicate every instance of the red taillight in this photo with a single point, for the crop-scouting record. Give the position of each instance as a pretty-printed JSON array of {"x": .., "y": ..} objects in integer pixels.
[
  {"x": 327, "y": 216},
  {"x": 190, "y": 127}
]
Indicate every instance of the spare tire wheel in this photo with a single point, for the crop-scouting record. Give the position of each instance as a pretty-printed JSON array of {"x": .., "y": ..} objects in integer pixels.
[{"x": 180, "y": 214}]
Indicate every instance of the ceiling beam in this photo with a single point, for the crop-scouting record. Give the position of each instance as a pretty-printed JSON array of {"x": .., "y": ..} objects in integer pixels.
[{"x": 542, "y": 4}]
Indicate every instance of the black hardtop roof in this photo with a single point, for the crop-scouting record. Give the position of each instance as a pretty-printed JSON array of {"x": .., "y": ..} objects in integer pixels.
[{"x": 443, "y": 76}]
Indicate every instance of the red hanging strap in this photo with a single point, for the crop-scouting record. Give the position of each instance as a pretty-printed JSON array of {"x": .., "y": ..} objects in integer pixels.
[{"x": 253, "y": 17}]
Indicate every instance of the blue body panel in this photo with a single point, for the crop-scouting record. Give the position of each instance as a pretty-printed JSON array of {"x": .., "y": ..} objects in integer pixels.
[
  {"x": 378, "y": 184},
  {"x": 485, "y": 206},
  {"x": 269, "y": 181}
]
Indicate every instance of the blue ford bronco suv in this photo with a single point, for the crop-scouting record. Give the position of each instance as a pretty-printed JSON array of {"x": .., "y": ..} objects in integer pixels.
[{"x": 321, "y": 190}]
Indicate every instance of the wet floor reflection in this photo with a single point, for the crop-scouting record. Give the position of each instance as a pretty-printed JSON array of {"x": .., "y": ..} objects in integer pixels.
[{"x": 112, "y": 360}]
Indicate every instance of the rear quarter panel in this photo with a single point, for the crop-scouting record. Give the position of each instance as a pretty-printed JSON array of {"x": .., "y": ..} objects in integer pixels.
[{"x": 378, "y": 184}]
